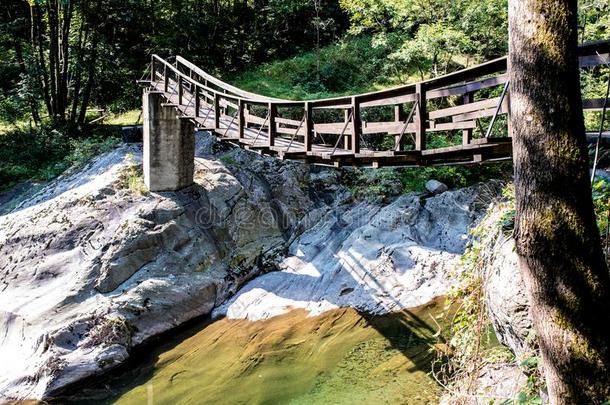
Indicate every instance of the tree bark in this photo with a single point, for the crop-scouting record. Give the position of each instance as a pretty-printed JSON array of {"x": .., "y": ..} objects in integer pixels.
[{"x": 557, "y": 238}]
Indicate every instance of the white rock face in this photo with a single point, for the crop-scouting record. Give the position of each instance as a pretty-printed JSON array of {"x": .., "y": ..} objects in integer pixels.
[{"x": 375, "y": 259}]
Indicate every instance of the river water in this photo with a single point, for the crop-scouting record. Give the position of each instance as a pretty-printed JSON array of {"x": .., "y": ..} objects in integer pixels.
[{"x": 339, "y": 357}]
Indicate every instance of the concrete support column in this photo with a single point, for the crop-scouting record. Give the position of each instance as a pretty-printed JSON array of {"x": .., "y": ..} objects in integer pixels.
[{"x": 169, "y": 146}]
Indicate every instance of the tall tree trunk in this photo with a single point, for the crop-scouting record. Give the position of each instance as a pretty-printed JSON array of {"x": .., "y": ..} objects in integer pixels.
[
  {"x": 52, "y": 22},
  {"x": 78, "y": 69},
  {"x": 38, "y": 45},
  {"x": 32, "y": 100},
  {"x": 557, "y": 238},
  {"x": 90, "y": 80},
  {"x": 65, "y": 55}
]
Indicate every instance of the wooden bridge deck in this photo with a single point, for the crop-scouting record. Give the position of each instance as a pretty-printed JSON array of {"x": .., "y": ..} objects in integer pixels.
[{"x": 394, "y": 127}]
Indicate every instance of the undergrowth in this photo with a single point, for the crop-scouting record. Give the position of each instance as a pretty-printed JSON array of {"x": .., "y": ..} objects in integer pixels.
[
  {"x": 341, "y": 72},
  {"x": 383, "y": 183},
  {"x": 41, "y": 154}
]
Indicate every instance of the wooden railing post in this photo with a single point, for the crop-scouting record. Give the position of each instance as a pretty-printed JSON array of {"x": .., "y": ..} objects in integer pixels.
[
  {"x": 347, "y": 138},
  {"x": 241, "y": 122},
  {"x": 399, "y": 117},
  {"x": 467, "y": 133},
  {"x": 272, "y": 124},
  {"x": 180, "y": 90},
  {"x": 152, "y": 69},
  {"x": 165, "y": 79},
  {"x": 197, "y": 101},
  {"x": 356, "y": 125},
  {"x": 216, "y": 110},
  {"x": 420, "y": 117},
  {"x": 509, "y": 128},
  {"x": 308, "y": 126}
]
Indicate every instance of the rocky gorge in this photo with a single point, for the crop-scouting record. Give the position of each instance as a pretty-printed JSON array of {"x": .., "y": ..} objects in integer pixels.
[{"x": 92, "y": 266}]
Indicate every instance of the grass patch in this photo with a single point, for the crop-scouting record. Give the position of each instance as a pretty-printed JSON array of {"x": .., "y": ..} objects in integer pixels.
[
  {"x": 132, "y": 117},
  {"x": 341, "y": 72},
  {"x": 132, "y": 177}
]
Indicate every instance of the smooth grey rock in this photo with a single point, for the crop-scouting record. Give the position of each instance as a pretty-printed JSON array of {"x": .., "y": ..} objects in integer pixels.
[
  {"x": 494, "y": 381},
  {"x": 435, "y": 186},
  {"x": 89, "y": 270}
]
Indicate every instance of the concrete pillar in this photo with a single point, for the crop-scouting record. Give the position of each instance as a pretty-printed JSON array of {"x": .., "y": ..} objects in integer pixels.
[{"x": 169, "y": 146}]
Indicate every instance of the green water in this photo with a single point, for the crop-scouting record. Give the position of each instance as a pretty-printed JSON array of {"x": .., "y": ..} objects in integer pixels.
[{"x": 340, "y": 357}]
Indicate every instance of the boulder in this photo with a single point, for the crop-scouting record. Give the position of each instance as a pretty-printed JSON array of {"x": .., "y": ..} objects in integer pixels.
[
  {"x": 369, "y": 255},
  {"x": 435, "y": 186}
]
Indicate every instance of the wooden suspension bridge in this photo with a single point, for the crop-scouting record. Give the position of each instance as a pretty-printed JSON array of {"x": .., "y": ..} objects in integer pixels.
[{"x": 393, "y": 127}]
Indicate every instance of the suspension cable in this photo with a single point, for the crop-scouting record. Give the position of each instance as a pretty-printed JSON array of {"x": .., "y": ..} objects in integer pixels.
[
  {"x": 406, "y": 124},
  {"x": 499, "y": 106},
  {"x": 260, "y": 129},
  {"x": 351, "y": 114},
  {"x": 295, "y": 133}
]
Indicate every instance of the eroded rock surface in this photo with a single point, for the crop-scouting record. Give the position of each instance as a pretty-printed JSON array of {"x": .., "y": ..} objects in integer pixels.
[{"x": 372, "y": 257}]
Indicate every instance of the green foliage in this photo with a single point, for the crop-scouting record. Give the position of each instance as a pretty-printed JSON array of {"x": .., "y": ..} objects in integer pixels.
[
  {"x": 594, "y": 19},
  {"x": 43, "y": 154},
  {"x": 342, "y": 71},
  {"x": 531, "y": 366},
  {"x": 507, "y": 221},
  {"x": 428, "y": 35},
  {"x": 386, "y": 182},
  {"x": 601, "y": 202},
  {"x": 431, "y": 51},
  {"x": 228, "y": 159}
]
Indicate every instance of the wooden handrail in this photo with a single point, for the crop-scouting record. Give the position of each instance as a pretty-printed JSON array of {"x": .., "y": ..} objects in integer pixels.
[{"x": 382, "y": 96}]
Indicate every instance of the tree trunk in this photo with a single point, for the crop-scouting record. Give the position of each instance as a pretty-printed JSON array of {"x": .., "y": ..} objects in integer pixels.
[
  {"x": 38, "y": 45},
  {"x": 90, "y": 80},
  {"x": 52, "y": 23},
  {"x": 557, "y": 237}
]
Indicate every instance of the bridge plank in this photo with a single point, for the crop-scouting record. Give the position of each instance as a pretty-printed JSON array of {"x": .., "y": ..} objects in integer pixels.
[{"x": 464, "y": 108}]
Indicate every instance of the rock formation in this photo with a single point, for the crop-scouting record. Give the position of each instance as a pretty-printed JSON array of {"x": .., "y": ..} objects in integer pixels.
[{"x": 90, "y": 267}]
